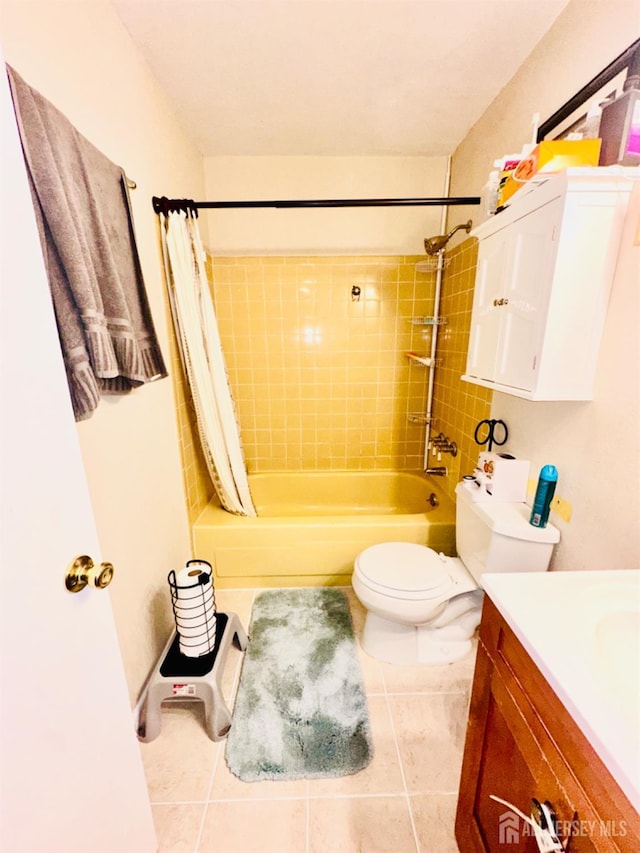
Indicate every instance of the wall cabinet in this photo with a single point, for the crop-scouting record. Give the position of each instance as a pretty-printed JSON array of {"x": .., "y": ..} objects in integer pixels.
[
  {"x": 522, "y": 743},
  {"x": 544, "y": 274}
]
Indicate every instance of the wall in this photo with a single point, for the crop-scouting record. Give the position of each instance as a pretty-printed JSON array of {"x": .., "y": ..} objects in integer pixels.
[
  {"x": 331, "y": 231},
  {"x": 595, "y": 445},
  {"x": 78, "y": 55},
  {"x": 322, "y": 381}
]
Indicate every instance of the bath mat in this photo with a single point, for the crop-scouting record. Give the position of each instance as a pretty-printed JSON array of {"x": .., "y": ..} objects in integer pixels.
[{"x": 301, "y": 709}]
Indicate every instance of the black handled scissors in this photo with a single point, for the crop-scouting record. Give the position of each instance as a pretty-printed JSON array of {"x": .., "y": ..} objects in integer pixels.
[{"x": 490, "y": 438}]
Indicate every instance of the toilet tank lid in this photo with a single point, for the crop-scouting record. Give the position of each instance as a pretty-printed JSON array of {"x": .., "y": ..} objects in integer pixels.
[{"x": 510, "y": 519}]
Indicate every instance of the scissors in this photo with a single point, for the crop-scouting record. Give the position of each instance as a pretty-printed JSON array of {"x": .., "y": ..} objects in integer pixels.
[{"x": 490, "y": 438}]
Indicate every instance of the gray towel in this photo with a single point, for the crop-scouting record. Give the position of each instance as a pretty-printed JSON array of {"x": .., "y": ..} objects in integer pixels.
[{"x": 86, "y": 230}]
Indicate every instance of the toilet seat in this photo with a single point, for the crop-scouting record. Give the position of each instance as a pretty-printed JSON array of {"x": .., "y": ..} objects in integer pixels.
[{"x": 404, "y": 570}]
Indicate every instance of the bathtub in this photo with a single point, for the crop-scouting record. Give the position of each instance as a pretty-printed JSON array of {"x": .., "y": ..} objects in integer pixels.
[{"x": 311, "y": 526}]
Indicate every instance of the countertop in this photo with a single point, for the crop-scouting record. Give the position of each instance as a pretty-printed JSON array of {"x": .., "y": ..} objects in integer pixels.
[{"x": 582, "y": 630}]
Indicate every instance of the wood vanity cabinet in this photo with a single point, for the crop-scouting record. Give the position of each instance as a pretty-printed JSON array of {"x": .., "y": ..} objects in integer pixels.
[
  {"x": 544, "y": 273},
  {"x": 522, "y": 743}
]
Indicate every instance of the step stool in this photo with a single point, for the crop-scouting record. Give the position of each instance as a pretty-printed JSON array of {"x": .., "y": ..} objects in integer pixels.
[{"x": 177, "y": 676}]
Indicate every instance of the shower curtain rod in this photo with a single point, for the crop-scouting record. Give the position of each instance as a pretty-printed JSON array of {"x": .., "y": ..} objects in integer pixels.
[{"x": 165, "y": 205}]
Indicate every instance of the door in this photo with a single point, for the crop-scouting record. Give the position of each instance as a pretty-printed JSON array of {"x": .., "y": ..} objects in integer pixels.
[
  {"x": 486, "y": 315},
  {"x": 525, "y": 296},
  {"x": 71, "y": 775}
]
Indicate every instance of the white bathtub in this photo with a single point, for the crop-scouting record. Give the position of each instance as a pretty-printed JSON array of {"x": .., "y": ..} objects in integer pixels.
[{"x": 311, "y": 526}]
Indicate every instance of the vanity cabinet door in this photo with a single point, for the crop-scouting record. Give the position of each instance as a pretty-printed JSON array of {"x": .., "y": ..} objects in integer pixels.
[
  {"x": 522, "y": 743},
  {"x": 512, "y": 766}
]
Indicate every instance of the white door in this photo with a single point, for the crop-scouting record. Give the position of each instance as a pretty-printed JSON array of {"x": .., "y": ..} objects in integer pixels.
[
  {"x": 493, "y": 255},
  {"x": 523, "y": 311},
  {"x": 70, "y": 774}
]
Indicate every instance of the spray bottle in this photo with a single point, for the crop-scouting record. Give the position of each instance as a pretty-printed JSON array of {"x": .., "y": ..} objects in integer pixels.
[{"x": 544, "y": 495}]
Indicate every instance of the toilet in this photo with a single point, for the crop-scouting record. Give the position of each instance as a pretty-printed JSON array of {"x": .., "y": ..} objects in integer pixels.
[{"x": 423, "y": 607}]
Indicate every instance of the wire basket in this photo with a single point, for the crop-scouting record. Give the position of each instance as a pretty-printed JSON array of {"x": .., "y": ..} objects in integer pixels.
[{"x": 194, "y": 608}]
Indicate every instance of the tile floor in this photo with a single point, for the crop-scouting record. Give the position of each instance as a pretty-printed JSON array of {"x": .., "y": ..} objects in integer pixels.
[{"x": 404, "y": 801}]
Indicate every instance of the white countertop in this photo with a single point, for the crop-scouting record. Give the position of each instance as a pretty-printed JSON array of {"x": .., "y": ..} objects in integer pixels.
[{"x": 582, "y": 629}]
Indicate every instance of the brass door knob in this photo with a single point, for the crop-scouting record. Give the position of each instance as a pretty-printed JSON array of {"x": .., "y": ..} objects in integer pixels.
[{"x": 83, "y": 572}]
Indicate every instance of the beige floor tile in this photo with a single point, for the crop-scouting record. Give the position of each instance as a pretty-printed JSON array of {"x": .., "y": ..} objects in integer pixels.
[
  {"x": 434, "y": 818},
  {"x": 360, "y": 825},
  {"x": 452, "y": 678},
  {"x": 430, "y": 729},
  {"x": 382, "y": 775},
  {"x": 177, "y": 827},
  {"x": 226, "y": 786},
  {"x": 179, "y": 762},
  {"x": 371, "y": 669},
  {"x": 238, "y": 601},
  {"x": 275, "y": 826}
]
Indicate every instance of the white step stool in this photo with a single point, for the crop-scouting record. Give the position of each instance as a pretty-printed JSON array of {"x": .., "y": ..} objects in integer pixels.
[{"x": 177, "y": 676}]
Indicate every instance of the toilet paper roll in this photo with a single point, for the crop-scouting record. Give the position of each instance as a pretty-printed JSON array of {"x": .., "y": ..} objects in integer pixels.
[
  {"x": 186, "y": 608},
  {"x": 190, "y": 581},
  {"x": 193, "y": 602}
]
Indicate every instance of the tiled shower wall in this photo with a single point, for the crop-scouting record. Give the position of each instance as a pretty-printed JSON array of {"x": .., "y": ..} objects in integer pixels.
[
  {"x": 319, "y": 373},
  {"x": 458, "y": 406},
  {"x": 318, "y": 369}
]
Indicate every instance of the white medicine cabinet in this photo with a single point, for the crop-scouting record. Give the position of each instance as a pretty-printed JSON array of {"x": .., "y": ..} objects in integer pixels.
[{"x": 545, "y": 269}]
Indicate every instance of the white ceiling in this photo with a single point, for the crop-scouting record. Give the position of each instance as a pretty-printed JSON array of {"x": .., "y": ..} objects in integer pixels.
[{"x": 333, "y": 77}]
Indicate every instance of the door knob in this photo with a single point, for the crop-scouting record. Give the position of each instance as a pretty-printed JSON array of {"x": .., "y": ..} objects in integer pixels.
[{"x": 83, "y": 572}]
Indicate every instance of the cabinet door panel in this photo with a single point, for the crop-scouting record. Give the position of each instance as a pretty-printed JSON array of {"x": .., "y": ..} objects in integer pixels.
[
  {"x": 485, "y": 324},
  {"x": 525, "y": 298},
  {"x": 515, "y": 769}
]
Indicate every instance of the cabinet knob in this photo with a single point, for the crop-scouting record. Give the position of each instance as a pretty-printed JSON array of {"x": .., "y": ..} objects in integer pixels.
[{"x": 502, "y": 301}]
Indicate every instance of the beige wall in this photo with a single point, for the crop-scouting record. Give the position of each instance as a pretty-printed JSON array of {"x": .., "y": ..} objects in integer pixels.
[
  {"x": 595, "y": 445},
  {"x": 79, "y": 56},
  {"x": 331, "y": 231}
]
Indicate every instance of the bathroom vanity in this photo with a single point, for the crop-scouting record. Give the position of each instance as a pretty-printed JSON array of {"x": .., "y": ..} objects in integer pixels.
[{"x": 554, "y": 713}]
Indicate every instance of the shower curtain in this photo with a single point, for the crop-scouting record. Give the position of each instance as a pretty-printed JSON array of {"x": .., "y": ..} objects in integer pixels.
[{"x": 203, "y": 360}]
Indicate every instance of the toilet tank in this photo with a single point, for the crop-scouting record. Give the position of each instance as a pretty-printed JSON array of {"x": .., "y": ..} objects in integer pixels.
[{"x": 497, "y": 537}]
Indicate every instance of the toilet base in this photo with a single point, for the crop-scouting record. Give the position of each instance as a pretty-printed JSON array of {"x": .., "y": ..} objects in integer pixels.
[{"x": 412, "y": 645}]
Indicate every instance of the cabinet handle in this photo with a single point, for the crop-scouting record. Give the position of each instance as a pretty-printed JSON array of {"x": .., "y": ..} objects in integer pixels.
[{"x": 498, "y": 302}]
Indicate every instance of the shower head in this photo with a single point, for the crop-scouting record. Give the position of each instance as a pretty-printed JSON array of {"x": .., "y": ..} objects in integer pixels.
[{"x": 435, "y": 245}]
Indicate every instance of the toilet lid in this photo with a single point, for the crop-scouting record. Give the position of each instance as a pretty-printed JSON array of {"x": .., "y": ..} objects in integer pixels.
[{"x": 402, "y": 567}]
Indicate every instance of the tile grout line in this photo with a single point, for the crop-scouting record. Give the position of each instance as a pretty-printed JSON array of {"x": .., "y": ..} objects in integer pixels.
[
  {"x": 234, "y": 689},
  {"x": 400, "y": 763}
]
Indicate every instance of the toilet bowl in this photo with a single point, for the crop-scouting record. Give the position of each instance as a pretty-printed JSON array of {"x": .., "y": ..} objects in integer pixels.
[
  {"x": 424, "y": 607},
  {"x": 410, "y": 593}
]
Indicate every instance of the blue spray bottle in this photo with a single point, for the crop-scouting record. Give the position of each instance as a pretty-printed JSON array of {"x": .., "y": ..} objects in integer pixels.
[{"x": 544, "y": 495}]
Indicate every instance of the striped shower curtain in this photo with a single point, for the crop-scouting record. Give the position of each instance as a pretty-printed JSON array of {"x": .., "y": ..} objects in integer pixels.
[{"x": 203, "y": 360}]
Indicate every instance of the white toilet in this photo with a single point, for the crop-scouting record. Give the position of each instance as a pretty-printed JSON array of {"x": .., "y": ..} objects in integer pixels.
[{"x": 423, "y": 607}]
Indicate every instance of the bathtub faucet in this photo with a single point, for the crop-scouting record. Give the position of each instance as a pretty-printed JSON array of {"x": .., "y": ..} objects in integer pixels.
[{"x": 440, "y": 471}]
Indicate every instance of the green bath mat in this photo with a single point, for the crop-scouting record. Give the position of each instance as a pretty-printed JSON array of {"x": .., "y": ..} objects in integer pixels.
[{"x": 301, "y": 709}]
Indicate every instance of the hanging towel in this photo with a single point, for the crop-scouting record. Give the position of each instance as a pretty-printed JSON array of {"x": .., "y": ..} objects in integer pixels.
[{"x": 84, "y": 218}]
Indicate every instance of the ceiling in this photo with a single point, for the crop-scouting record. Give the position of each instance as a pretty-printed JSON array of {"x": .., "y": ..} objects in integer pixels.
[{"x": 333, "y": 77}]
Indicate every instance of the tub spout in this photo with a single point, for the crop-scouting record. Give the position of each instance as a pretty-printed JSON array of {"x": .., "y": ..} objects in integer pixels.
[{"x": 439, "y": 471}]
